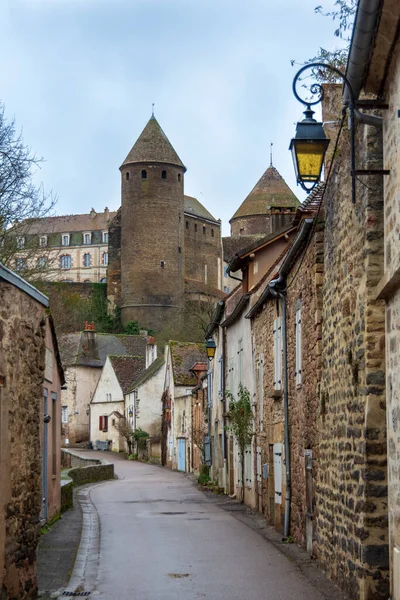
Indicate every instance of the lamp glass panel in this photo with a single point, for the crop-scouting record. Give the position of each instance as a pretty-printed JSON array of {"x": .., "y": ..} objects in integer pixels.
[{"x": 309, "y": 159}]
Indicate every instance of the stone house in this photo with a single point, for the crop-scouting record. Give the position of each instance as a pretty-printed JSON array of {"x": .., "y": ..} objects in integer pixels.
[
  {"x": 286, "y": 483},
  {"x": 184, "y": 363},
  {"x": 84, "y": 355},
  {"x": 50, "y": 425},
  {"x": 107, "y": 406},
  {"x": 377, "y": 77},
  {"x": 143, "y": 406},
  {"x": 25, "y": 333},
  {"x": 71, "y": 248}
]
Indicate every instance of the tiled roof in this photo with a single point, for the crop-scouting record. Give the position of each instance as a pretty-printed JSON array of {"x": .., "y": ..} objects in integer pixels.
[
  {"x": 149, "y": 372},
  {"x": 184, "y": 355},
  {"x": 127, "y": 369},
  {"x": 153, "y": 146},
  {"x": 73, "y": 348},
  {"x": 270, "y": 190},
  {"x": 234, "y": 245},
  {"x": 68, "y": 223},
  {"x": 310, "y": 204},
  {"x": 195, "y": 208}
]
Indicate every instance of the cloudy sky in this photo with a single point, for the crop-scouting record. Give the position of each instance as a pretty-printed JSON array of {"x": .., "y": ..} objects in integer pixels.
[{"x": 80, "y": 76}]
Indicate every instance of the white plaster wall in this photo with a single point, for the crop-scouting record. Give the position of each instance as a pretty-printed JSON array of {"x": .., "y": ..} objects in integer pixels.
[
  {"x": 182, "y": 408},
  {"x": 108, "y": 384},
  {"x": 217, "y": 411},
  {"x": 150, "y": 409},
  {"x": 106, "y": 409}
]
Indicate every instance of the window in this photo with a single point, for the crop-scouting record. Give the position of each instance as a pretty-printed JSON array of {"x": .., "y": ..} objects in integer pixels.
[
  {"x": 298, "y": 346},
  {"x": 195, "y": 226},
  {"x": 241, "y": 231},
  {"x": 65, "y": 261},
  {"x": 144, "y": 174},
  {"x": 204, "y": 229},
  {"x": 105, "y": 237},
  {"x": 103, "y": 423},
  {"x": 255, "y": 267},
  {"x": 43, "y": 241},
  {"x": 209, "y": 387},
  {"x": 20, "y": 242},
  {"x": 162, "y": 263},
  {"x": 179, "y": 176},
  {"x": 41, "y": 262},
  {"x": 187, "y": 224},
  {"x": 227, "y": 289},
  {"x": 277, "y": 353},
  {"x": 105, "y": 259},
  {"x": 20, "y": 264},
  {"x": 65, "y": 239},
  {"x": 86, "y": 260},
  {"x": 127, "y": 175},
  {"x": 108, "y": 397},
  {"x": 231, "y": 375},
  {"x": 64, "y": 414},
  {"x": 103, "y": 280},
  {"x": 225, "y": 271},
  {"x": 164, "y": 175},
  {"x": 212, "y": 232},
  {"x": 87, "y": 238}
]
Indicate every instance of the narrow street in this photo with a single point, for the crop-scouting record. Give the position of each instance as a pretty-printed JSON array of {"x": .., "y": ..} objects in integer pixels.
[{"x": 162, "y": 539}]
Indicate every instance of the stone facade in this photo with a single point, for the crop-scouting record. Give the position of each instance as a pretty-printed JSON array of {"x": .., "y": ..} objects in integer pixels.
[
  {"x": 351, "y": 490},
  {"x": 22, "y": 363}
]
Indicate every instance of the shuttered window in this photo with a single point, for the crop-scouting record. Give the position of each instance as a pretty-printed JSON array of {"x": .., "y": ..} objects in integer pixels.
[
  {"x": 298, "y": 347},
  {"x": 240, "y": 360},
  {"x": 103, "y": 423},
  {"x": 231, "y": 376},
  {"x": 220, "y": 376},
  {"x": 278, "y": 353},
  {"x": 261, "y": 390},
  {"x": 248, "y": 466}
]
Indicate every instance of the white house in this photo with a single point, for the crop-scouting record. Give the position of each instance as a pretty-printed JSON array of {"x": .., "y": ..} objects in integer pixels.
[{"x": 108, "y": 404}]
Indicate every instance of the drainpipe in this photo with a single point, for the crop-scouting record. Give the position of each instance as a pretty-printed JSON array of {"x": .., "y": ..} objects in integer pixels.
[
  {"x": 278, "y": 289},
  {"x": 224, "y": 407}
]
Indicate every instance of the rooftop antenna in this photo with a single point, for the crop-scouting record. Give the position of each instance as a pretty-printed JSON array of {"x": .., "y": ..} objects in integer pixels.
[
  {"x": 270, "y": 153},
  {"x": 152, "y": 110}
]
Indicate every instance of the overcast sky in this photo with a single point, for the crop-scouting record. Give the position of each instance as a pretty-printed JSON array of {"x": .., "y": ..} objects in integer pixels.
[{"x": 80, "y": 76}]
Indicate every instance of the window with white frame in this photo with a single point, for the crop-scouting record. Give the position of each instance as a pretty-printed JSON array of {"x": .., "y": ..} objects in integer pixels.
[
  {"x": 20, "y": 242},
  {"x": 86, "y": 260},
  {"x": 298, "y": 346},
  {"x": 87, "y": 238},
  {"x": 240, "y": 360},
  {"x": 43, "y": 241},
  {"x": 105, "y": 259},
  {"x": 65, "y": 261},
  {"x": 65, "y": 239},
  {"x": 278, "y": 353},
  {"x": 20, "y": 264},
  {"x": 105, "y": 237},
  {"x": 64, "y": 414},
  {"x": 261, "y": 390},
  {"x": 42, "y": 262}
]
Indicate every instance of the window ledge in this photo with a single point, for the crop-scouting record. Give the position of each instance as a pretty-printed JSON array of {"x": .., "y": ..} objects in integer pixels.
[{"x": 277, "y": 394}]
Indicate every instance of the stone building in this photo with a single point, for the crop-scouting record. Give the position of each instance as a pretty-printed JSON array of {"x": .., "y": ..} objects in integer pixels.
[
  {"x": 71, "y": 248},
  {"x": 378, "y": 75},
  {"x": 26, "y": 372},
  {"x": 162, "y": 243}
]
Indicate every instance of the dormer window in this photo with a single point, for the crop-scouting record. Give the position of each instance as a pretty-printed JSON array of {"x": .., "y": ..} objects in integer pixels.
[
  {"x": 105, "y": 237},
  {"x": 87, "y": 238},
  {"x": 65, "y": 239},
  {"x": 43, "y": 241},
  {"x": 20, "y": 242}
]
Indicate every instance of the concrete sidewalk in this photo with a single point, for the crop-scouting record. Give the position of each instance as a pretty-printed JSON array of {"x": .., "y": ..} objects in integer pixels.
[{"x": 57, "y": 551}]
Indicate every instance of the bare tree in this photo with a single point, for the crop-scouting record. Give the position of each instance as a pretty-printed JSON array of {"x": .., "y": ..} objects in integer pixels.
[
  {"x": 125, "y": 430},
  {"x": 21, "y": 202}
]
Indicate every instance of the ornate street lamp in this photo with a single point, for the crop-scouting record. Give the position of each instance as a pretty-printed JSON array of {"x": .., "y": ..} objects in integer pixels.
[{"x": 210, "y": 348}]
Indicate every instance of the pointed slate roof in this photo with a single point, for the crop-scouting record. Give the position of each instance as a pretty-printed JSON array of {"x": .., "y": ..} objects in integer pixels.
[
  {"x": 271, "y": 190},
  {"x": 153, "y": 146}
]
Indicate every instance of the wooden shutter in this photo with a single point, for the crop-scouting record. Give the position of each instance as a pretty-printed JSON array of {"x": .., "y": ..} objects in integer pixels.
[
  {"x": 101, "y": 423},
  {"x": 105, "y": 424},
  {"x": 277, "y": 353}
]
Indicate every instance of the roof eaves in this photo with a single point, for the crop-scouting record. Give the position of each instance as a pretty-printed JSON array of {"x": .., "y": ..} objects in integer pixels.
[
  {"x": 23, "y": 285},
  {"x": 235, "y": 314},
  {"x": 216, "y": 319}
]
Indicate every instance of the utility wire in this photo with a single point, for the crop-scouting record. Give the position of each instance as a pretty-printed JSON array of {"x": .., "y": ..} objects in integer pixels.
[{"x": 315, "y": 218}]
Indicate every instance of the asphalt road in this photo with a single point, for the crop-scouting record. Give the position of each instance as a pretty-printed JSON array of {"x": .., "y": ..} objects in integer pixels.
[{"x": 160, "y": 538}]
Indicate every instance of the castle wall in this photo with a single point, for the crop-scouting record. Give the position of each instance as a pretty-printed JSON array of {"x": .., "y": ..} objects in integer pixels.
[
  {"x": 203, "y": 251},
  {"x": 260, "y": 224},
  {"x": 152, "y": 244}
]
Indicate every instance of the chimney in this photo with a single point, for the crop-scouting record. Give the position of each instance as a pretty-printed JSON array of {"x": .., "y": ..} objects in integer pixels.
[
  {"x": 106, "y": 213},
  {"x": 92, "y": 213},
  {"x": 89, "y": 342}
]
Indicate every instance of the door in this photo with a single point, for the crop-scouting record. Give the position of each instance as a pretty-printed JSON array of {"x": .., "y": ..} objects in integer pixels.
[
  {"x": 44, "y": 457},
  {"x": 181, "y": 454}
]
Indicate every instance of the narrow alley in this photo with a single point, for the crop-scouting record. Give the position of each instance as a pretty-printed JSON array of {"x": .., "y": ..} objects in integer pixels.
[{"x": 152, "y": 535}]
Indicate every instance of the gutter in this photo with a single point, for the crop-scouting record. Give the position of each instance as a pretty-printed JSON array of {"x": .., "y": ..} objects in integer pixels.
[
  {"x": 211, "y": 327},
  {"x": 364, "y": 30},
  {"x": 235, "y": 314}
]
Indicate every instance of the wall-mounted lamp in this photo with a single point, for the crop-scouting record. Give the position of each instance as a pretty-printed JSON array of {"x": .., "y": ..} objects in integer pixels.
[{"x": 210, "y": 348}]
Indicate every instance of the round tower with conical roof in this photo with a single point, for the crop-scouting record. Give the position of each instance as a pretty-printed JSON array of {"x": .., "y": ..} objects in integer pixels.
[
  {"x": 269, "y": 207},
  {"x": 152, "y": 207}
]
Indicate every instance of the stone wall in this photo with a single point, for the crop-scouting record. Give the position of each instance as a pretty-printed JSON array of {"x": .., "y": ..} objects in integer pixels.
[
  {"x": 351, "y": 493},
  {"x": 203, "y": 251},
  {"x": 114, "y": 262},
  {"x": 22, "y": 352},
  {"x": 260, "y": 224},
  {"x": 83, "y": 475}
]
